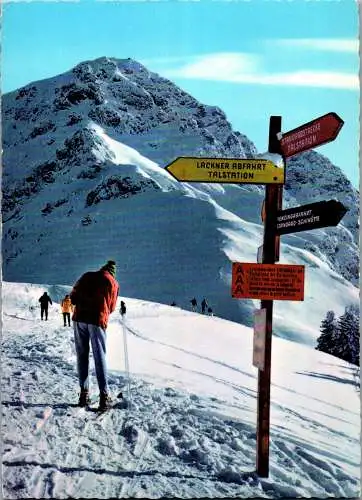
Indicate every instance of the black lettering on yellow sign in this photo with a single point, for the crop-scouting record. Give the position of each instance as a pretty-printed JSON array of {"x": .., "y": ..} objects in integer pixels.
[
  {"x": 231, "y": 175},
  {"x": 212, "y": 164},
  {"x": 248, "y": 166}
]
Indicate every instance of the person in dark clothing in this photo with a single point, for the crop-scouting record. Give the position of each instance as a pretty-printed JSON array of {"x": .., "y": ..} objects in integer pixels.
[
  {"x": 193, "y": 304},
  {"x": 44, "y": 300},
  {"x": 203, "y": 306},
  {"x": 209, "y": 311},
  {"x": 94, "y": 296},
  {"x": 123, "y": 309}
]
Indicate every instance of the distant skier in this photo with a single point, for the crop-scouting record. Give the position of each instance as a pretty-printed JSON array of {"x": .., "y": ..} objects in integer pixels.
[
  {"x": 67, "y": 308},
  {"x": 209, "y": 311},
  {"x": 203, "y": 306},
  {"x": 94, "y": 296},
  {"x": 193, "y": 304},
  {"x": 173, "y": 303},
  {"x": 44, "y": 300},
  {"x": 123, "y": 309}
]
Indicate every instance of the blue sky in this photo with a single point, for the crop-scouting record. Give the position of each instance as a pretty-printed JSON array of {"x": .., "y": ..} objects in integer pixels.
[{"x": 294, "y": 58}]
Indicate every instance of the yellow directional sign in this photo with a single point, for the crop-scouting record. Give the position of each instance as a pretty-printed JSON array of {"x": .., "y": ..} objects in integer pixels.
[{"x": 234, "y": 170}]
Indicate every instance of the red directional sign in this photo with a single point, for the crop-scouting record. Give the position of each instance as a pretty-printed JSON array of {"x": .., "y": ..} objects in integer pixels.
[{"x": 312, "y": 134}]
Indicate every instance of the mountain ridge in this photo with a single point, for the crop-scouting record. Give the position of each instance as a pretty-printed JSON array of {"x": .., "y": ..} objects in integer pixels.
[{"x": 86, "y": 151}]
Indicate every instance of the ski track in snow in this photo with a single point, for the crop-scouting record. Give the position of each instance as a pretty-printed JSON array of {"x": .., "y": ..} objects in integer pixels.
[
  {"x": 168, "y": 443},
  {"x": 60, "y": 470}
]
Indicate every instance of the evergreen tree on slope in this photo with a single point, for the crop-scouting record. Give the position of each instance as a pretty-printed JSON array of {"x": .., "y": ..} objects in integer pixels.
[
  {"x": 348, "y": 338},
  {"x": 326, "y": 341}
]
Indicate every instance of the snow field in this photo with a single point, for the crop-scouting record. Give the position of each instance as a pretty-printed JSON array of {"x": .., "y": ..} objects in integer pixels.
[{"x": 191, "y": 431}]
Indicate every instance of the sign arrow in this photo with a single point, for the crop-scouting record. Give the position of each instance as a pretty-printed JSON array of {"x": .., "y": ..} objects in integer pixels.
[
  {"x": 312, "y": 216},
  {"x": 312, "y": 134},
  {"x": 229, "y": 170}
]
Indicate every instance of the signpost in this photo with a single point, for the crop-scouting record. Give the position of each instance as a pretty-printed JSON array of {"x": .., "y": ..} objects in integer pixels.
[
  {"x": 312, "y": 216},
  {"x": 273, "y": 203},
  {"x": 312, "y": 134},
  {"x": 267, "y": 281},
  {"x": 229, "y": 170}
]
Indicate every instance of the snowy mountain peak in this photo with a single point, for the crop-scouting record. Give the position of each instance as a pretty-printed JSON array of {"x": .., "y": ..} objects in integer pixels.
[{"x": 109, "y": 68}]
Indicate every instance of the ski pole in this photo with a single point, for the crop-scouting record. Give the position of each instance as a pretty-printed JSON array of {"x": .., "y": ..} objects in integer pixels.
[{"x": 126, "y": 362}]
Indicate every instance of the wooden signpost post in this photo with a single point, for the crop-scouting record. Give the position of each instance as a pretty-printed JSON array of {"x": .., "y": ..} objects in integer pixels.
[{"x": 273, "y": 203}]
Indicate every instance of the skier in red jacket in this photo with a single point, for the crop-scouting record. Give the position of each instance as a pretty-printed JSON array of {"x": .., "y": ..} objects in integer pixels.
[{"x": 94, "y": 296}]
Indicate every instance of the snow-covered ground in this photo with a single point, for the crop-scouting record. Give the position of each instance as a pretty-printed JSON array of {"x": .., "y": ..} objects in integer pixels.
[{"x": 191, "y": 428}]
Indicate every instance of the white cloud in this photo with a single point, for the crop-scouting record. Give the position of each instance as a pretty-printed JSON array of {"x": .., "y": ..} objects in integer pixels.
[
  {"x": 327, "y": 79},
  {"x": 245, "y": 68},
  {"x": 167, "y": 60},
  {"x": 327, "y": 44},
  {"x": 219, "y": 64}
]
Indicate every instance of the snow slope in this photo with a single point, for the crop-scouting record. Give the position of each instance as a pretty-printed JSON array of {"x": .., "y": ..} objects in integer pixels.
[
  {"x": 191, "y": 429},
  {"x": 172, "y": 241}
]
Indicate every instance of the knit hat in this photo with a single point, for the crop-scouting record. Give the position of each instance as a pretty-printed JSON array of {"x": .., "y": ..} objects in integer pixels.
[{"x": 110, "y": 267}]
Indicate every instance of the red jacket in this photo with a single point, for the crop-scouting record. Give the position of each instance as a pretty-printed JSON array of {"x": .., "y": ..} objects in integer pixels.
[{"x": 94, "y": 296}]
